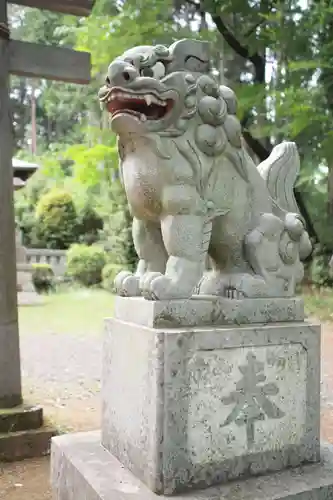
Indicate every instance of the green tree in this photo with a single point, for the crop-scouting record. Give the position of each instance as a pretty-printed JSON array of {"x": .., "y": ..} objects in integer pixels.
[{"x": 57, "y": 220}]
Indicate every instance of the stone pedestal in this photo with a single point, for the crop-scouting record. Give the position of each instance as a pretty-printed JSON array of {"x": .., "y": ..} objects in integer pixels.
[{"x": 188, "y": 408}]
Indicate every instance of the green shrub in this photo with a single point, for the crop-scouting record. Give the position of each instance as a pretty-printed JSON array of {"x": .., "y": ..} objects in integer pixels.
[
  {"x": 317, "y": 270},
  {"x": 109, "y": 273},
  {"x": 57, "y": 220},
  {"x": 85, "y": 264},
  {"x": 90, "y": 223},
  {"x": 43, "y": 278},
  {"x": 117, "y": 230}
]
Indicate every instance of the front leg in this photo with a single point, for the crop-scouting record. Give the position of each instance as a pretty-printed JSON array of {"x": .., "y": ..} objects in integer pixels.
[
  {"x": 149, "y": 246},
  {"x": 186, "y": 240}
]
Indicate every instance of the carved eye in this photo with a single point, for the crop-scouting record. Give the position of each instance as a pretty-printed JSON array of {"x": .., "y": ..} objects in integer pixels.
[
  {"x": 157, "y": 71},
  {"x": 147, "y": 72}
]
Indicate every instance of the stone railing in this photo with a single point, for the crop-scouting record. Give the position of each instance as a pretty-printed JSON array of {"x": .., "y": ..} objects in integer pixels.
[{"x": 55, "y": 258}]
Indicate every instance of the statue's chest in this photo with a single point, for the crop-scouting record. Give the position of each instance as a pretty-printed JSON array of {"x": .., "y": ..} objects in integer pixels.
[{"x": 144, "y": 180}]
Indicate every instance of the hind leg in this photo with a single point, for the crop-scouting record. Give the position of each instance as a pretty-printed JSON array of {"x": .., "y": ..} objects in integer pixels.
[
  {"x": 232, "y": 276},
  {"x": 232, "y": 283}
]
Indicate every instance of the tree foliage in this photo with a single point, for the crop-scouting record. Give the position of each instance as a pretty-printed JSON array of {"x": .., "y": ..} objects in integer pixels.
[
  {"x": 57, "y": 220},
  {"x": 276, "y": 54}
]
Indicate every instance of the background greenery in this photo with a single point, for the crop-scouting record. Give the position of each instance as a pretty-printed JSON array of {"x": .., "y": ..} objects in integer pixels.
[{"x": 276, "y": 55}]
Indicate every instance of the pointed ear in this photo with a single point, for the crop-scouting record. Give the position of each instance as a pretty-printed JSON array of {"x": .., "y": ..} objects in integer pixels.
[{"x": 190, "y": 55}]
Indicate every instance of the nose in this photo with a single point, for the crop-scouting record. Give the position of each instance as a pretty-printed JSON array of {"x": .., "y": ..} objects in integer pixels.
[{"x": 121, "y": 73}]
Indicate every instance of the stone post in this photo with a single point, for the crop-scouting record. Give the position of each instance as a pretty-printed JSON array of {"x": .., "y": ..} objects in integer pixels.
[{"x": 10, "y": 374}]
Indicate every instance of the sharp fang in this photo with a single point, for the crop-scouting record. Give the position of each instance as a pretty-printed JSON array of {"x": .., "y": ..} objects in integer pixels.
[
  {"x": 143, "y": 118},
  {"x": 148, "y": 99},
  {"x": 155, "y": 100}
]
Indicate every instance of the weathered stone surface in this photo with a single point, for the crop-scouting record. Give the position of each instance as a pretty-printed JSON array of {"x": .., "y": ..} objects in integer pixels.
[
  {"x": 21, "y": 418},
  {"x": 83, "y": 469},
  {"x": 25, "y": 444},
  {"x": 207, "y": 311},
  {"x": 192, "y": 407},
  {"x": 193, "y": 189}
]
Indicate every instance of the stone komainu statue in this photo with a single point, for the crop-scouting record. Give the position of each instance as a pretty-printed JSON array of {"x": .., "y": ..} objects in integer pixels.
[{"x": 192, "y": 188}]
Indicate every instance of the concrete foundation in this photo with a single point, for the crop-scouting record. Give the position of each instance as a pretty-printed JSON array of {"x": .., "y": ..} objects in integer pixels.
[{"x": 83, "y": 469}]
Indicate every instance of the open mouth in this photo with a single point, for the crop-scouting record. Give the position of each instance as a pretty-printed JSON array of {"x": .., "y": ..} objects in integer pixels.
[{"x": 143, "y": 106}]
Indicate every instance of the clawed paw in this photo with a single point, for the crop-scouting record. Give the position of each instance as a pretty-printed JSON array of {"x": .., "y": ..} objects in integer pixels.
[
  {"x": 127, "y": 284},
  {"x": 157, "y": 286},
  {"x": 151, "y": 285}
]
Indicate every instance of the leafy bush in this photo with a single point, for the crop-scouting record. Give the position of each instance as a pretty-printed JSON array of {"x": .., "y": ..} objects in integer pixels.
[
  {"x": 317, "y": 270},
  {"x": 25, "y": 203},
  {"x": 90, "y": 223},
  {"x": 117, "y": 230},
  {"x": 85, "y": 264},
  {"x": 43, "y": 277},
  {"x": 57, "y": 220},
  {"x": 109, "y": 273}
]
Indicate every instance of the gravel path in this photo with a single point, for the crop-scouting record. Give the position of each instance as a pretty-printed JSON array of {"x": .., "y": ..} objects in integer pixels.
[
  {"x": 62, "y": 373},
  {"x": 64, "y": 366}
]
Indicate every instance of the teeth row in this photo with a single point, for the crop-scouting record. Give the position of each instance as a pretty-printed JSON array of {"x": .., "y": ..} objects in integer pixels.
[{"x": 149, "y": 98}]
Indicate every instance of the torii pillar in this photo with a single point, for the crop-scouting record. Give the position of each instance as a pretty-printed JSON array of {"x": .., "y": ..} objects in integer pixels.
[{"x": 37, "y": 61}]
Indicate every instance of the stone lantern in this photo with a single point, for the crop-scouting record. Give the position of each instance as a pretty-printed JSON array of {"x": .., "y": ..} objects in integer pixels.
[{"x": 26, "y": 293}]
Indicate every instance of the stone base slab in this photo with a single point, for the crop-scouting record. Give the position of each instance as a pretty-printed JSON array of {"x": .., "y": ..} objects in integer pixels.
[
  {"x": 25, "y": 444},
  {"x": 21, "y": 418},
  {"x": 23, "y": 433},
  {"x": 207, "y": 311},
  {"x": 198, "y": 406},
  {"x": 83, "y": 469}
]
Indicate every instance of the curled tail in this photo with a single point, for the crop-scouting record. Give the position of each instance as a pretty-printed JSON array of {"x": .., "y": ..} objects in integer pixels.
[{"x": 280, "y": 171}]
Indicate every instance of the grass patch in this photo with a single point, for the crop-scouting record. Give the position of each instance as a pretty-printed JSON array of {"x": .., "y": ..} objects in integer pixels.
[
  {"x": 319, "y": 303},
  {"x": 75, "y": 312}
]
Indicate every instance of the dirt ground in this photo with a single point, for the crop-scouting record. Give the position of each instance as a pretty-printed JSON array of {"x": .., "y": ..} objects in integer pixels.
[{"x": 73, "y": 401}]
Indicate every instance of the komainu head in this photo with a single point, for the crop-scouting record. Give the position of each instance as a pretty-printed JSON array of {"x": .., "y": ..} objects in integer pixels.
[
  {"x": 152, "y": 88},
  {"x": 158, "y": 89}
]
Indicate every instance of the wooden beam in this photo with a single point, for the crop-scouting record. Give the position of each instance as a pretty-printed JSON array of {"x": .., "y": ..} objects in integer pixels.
[
  {"x": 75, "y": 7},
  {"x": 46, "y": 61}
]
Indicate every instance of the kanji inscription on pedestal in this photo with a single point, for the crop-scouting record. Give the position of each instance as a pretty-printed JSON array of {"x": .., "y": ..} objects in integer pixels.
[
  {"x": 242, "y": 400},
  {"x": 251, "y": 398}
]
